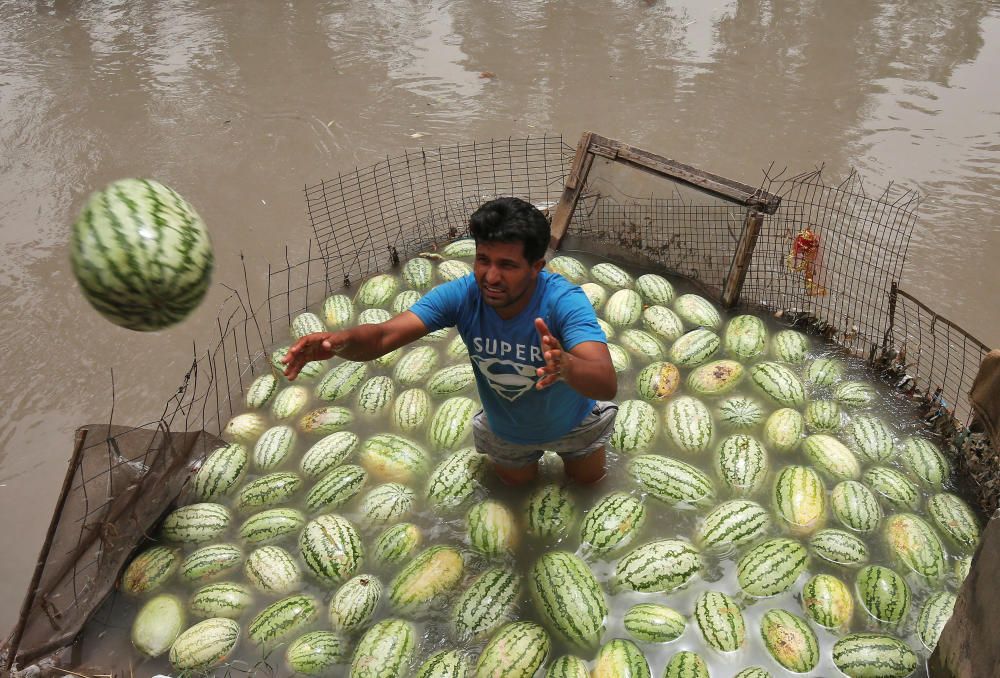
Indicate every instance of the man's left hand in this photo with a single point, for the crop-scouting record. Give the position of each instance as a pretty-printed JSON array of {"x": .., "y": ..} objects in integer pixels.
[{"x": 557, "y": 361}]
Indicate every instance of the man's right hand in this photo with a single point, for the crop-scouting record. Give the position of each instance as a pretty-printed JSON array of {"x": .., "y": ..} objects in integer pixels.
[{"x": 317, "y": 346}]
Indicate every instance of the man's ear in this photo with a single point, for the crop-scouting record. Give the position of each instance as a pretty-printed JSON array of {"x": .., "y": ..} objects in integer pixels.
[{"x": 537, "y": 267}]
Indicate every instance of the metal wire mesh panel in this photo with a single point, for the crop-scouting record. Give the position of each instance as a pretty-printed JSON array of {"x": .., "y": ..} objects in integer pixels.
[{"x": 364, "y": 221}]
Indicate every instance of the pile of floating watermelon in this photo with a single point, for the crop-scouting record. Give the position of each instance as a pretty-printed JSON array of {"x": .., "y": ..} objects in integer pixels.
[{"x": 765, "y": 511}]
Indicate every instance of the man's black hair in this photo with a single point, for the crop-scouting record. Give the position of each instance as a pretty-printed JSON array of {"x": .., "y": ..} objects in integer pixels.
[{"x": 512, "y": 220}]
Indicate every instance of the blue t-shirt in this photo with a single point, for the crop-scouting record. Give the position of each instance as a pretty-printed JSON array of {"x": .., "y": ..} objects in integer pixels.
[{"x": 505, "y": 354}]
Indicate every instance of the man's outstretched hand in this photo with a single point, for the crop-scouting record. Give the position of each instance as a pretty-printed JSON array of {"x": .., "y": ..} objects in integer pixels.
[
  {"x": 317, "y": 346},
  {"x": 557, "y": 361}
]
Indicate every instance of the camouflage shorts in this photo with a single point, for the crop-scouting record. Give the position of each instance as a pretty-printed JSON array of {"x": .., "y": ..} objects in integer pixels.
[{"x": 590, "y": 435}]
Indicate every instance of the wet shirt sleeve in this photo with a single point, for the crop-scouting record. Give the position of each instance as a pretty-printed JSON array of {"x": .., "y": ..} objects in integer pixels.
[
  {"x": 441, "y": 306},
  {"x": 576, "y": 321}
]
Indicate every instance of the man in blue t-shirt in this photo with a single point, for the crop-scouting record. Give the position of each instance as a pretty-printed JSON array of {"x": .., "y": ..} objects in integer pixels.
[{"x": 540, "y": 359}]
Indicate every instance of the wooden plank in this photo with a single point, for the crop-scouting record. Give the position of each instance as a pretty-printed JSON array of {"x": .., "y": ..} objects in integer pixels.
[
  {"x": 742, "y": 258},
  {"x": 575, "y": 182}
]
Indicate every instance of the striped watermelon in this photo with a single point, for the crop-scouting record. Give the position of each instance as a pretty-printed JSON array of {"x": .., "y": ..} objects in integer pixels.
[
  {"x": 611, "y": 275},
  {"x": 452, "y": 423},
  {"x": 661, "y": 565},
  {"x": 568, "y": 666},
  {"x": 824, "y": 371},
  {"x": 386, "y": 503},
  {"x": 205, "y": 645},
  {"x": 377, "y": 290},
  {"x": 753, "y": 672},
  {"x": 418, "y": 273},
  {"x": 839, "y": 547},
  {"x": 635, "y": 426},
  {"x": 740, "y": 412},
  {"x": 790, "y": 641},
  {"x": 331, "y": 451},
  {"x": 456, "y": 348},
  {"x": 934, "y": 614},
  {"x": 431, "y": 574},
  {"x": 698, "y": 311},
  {"x": 491, "y": 528},
  {"x": 741, "y": 463},
  {"x": 282, "y": 618},
  {"x": 686, "y": 664},
  {"x": 962, "y": 567},
  {"x": 150, "y": 570},
  {"x": 338, "y": 311},
  {"x": 261, "y": 391},
  {"x": 451, "y": 380},
  {"x": 375, "y": 395},
  {"x": 689, "y": 424},
  {"x": 141, "y": 254},
  {"x": 410, "y": 410},
  {"x": 873, "y": 655},
  {"x": 783, "y": 429},
  {"x": 271, "y": 525},
  {"x": 223, "y": 599},
  {"x": 771, "y": 567},
  {"x": 453, "y": 270},
  {"x": 315, "y": 653},
  {"x": 623, "y": 308},
  {"x": 695, "y": 347},
  {"x": 955, "y": 520},
  {"x": 595, "y": 294},
  {"x": 619, "y": 358},
  {"x": 657, "y": 381},
  {"x": 272, "y": 569},
  {"x": 671, "y": 481},
  {"x": 244, "y": 428},
  {"x": 331, "y": 548},
  {"x": 612, "y": 524},
  {"x": 883, "y": 593},
  {"x": 855, "y": 506},
  {"x": 799, "y": 499},
  {"x": 386, "y": 650},
  {"x": 550, "y": 512},
  {"x": 913, "y": 541},
  {"x": 306, "y": 323},
  {"x": 354, "y": 603},
  {"x": 455, "y": 479},
  {"x": 195, "y": 523},
  {"x": 870, "y": 437},
  {"x": 270, "y": 490},
  {"x": 620, "y": 658},
  {"x": 778, "y": 383},
  {"x": 823, "y": 416},
  {"x": 733, "y": 523},
  {"x": 569, "y": 268},
  {"x": 895, "y": 488},
  {"x": 715, "y": 378},
  {"x": 654, "y": 623},
  {"x": 397, "y": 544},
  {"x": 655, "y": 289},
  {"x": 642, "y": 344},
  {"x": 518, "y": 650},
  {"x": 444, "y": 664},
  {"x": 326, "y": 420},
  {"x": 745, "y": 336},
  {"x": 310, "y": 371},
  {"x": 388, "y": 456},
  {"x": 209, "y": 562},
  {"x": 924, "y": 460},
  {"x": 416, "y": 365},
  {"x": 342, "y": 380},
  {"x": 486, "y": 604},
  {"x": 720, "y": 621},
  {"x": 853, "y": 394},
  {"x": 606, "y": 328},
  {"x": 569, "y": 598},
  {"x": 828, "y": 601},
  {"x": 336, "y": 488},
  {"x": 158, "y": 623},
  {"x": 404, "y": 300},
  {"x": 273, "y": 447},
  {"x": 373, "y": 316},
  {"x": 831, "y": 457},
  {"x": 662, "y": 322},
  {"x": 289, "y": 402},
  {"x": 790, "y": 346}
]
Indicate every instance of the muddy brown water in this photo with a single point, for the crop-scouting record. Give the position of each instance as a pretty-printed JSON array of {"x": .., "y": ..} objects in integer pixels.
[{"x": 239, "y": 105}]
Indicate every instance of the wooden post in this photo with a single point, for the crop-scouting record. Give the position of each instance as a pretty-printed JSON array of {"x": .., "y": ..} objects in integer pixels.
[
  {"x": 571, "y": 193},
  {"x": 742, "y": 258}
]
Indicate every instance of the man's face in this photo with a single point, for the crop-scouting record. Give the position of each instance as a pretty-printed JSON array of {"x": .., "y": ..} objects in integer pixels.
[{"x": 503, "y": 274}]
